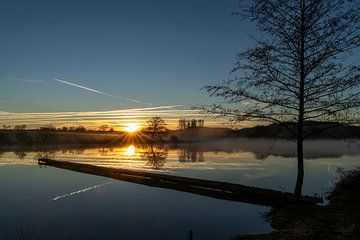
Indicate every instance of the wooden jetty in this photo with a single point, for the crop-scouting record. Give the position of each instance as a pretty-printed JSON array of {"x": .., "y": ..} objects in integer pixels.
[{"x": 214, "y": 189}]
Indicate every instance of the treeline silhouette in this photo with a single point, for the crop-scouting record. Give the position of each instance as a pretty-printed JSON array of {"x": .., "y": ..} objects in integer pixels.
[
  {"x": 193, "y": 123},
  {"x": 320, "y": 130},
  {"x": 46, "y": 136},
  {"x": 101, "y": 128},
  {"x": 20, "y": 135}
]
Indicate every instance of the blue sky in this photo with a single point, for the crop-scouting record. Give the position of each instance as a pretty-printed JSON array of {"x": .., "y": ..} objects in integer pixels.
[{"x": 159, "y": 52}]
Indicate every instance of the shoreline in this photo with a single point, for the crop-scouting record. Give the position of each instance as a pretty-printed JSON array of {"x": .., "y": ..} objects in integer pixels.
[
  {"x": 192, "y": 135},
  {"x": 339, "y": 220}
]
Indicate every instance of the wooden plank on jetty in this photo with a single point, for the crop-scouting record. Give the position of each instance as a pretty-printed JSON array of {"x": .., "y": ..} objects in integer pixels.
[{"x": 214, "y": 189}]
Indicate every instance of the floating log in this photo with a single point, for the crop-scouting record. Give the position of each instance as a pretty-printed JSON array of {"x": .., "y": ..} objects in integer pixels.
[{"x": 214, "y": 189}]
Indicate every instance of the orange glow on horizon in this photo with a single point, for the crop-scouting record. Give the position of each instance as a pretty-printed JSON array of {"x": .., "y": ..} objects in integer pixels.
[{"x": 131, "y": 127}]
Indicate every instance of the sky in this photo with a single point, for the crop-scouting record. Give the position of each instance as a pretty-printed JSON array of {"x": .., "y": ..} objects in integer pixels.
[{"x": 90, "y": 56}]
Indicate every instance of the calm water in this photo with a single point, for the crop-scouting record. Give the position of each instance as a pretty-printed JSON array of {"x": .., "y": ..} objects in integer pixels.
[{"x": 61, "y": 204}]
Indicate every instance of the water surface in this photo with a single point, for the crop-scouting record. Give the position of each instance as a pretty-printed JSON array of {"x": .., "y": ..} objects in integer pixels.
[{"x": 61, "y": 204}]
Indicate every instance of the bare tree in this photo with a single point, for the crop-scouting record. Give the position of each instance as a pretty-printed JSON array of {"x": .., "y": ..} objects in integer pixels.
[
  {"x": 104, "y": 127},
  {"x": 300, "y": 72},
  {"x": 156, "y": 127}
]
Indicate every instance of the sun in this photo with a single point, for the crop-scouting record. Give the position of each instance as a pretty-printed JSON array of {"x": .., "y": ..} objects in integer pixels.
[{"x": 131, "y": 127}]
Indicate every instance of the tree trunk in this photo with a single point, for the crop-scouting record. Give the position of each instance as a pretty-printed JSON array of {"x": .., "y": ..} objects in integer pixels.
[
  {"x": 300, "y": 123},
  {"x": 300, "y": 170}
]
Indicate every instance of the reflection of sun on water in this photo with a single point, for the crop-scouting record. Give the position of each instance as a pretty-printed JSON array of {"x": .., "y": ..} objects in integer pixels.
[
  {"x": 132, "y": 127},
  {"x": 131, "y": 150}
]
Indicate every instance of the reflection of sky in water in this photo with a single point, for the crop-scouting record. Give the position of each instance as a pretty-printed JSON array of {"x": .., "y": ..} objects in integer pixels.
[
  {"x": 91, "y": 207},
  {"x": 264, "y": 165}
]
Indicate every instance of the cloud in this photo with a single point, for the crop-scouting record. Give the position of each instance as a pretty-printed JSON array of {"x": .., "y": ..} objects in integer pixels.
[
  {"x": 92, "y": 119},
  {"x": 159, "y": 107}
]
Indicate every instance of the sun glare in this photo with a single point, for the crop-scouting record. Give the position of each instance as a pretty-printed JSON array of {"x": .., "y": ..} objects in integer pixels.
[
  {"x": 132, "y": 127},
  {"x": 130, "y": 150}
]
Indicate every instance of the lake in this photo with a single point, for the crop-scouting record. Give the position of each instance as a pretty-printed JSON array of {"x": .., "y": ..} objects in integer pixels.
[{"x": 53, "y": 203}]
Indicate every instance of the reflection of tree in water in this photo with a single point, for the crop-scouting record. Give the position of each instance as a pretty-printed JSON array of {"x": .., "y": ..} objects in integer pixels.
[
  {"x": 191, "y": 155},
  {"x": 46, "y": 135},
  {"x": 155, "y": 156},
  {"x": 104, "y": 151},
  {"x": 261, "y": 155},
  {"x": 2, "y": 153},
  {"x": 20, "y": 154},
  {"x": 46, "y": 154},
  {"x": 73, "y": 151}
]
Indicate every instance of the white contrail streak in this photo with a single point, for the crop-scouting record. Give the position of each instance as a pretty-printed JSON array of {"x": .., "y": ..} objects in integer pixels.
[
  {"x": 80, "y": 191},
  {"x": 153, "y": 108},
  {"x": 27, "y": 80},
  {"x": 95, "y": 91}
]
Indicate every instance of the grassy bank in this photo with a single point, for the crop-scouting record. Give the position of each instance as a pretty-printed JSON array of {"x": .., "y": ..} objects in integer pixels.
[
  {"x": 190, "y": 135},
  {"x": 339, "y": 220},
  {"x": 39, "y": 137}
]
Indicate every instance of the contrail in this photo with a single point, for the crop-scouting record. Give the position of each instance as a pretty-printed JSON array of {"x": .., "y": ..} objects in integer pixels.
[
  {"x": 95, "y": 91},
  {"x": 80, "y": 191},
  {"x": 153, "y": 108},
  {"x": 27, "y": 80}
]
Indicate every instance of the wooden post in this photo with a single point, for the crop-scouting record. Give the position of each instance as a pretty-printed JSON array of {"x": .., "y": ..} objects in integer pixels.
[{"x": 191, "y": 235}]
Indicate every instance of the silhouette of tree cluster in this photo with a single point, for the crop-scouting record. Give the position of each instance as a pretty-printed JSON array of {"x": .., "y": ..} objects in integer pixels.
[
  {"x": 298, "y": 71},
  {"x": 20, "y": 127},
  {"x": 64, "y": 128},
  {"x": 72, "y": 129},
  {"x": 193, "y": 123},
  {"x": 23, "y": 127},
  {"x": 47, "y": 128},
  {"x": 105, "y": 127}
]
